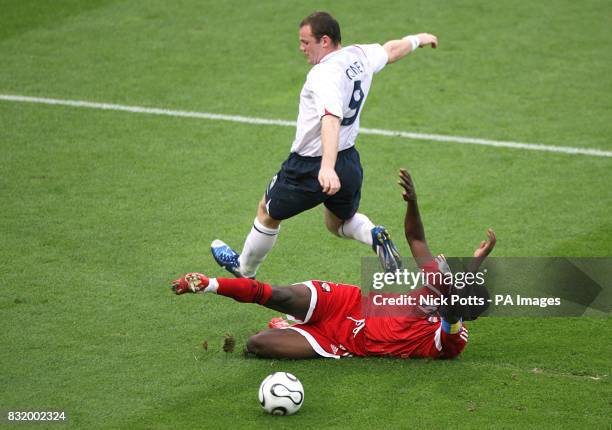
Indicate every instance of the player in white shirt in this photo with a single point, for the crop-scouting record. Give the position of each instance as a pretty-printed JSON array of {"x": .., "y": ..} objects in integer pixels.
[{"x": 323, "y": 166}]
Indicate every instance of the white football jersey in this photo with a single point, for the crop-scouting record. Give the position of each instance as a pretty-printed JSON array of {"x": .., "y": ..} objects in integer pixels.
[{"x": 338, "y": 84}]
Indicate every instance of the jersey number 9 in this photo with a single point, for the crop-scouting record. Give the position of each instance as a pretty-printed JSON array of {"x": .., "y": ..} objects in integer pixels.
[{"x": 354, "y": 104}]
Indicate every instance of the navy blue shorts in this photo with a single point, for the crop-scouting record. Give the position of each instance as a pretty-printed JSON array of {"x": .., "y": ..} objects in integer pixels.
[{"x": 296, "y": 188}]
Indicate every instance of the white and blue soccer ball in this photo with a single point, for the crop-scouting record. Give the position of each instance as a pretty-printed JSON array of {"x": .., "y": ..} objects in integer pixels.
[{"x": 281, "y": 393}]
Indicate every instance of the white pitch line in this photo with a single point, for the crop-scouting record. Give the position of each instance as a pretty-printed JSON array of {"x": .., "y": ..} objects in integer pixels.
[{"x": 284, "y": 123}]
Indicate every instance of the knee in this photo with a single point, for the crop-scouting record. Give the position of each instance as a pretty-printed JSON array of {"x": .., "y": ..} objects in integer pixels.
[
  {"x": 257, "y": 345},
  {"x": 264, "y": 217},
  {"x": 262, "y": 345},
  {"x": 332, "y": 228},
  {"x": 261, "y": 208},
  {"x": 333, "y": 224},
  {"x": 293, "y": 300},
  {"x": 282, "y": 296}
]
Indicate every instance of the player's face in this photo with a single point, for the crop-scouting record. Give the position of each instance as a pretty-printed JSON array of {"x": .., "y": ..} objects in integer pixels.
[{"x": 309, "y": 46}]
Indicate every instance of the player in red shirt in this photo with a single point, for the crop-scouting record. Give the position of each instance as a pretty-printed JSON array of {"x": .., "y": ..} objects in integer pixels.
[{"x": 335, "y": 320}]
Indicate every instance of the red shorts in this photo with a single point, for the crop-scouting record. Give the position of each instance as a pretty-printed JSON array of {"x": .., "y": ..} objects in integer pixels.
[{"x": 333, "y": 320}]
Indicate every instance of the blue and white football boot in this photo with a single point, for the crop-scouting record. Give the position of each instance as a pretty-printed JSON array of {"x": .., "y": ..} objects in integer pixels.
[
  {"x": 386, "y": 250},
  {"x": 226, "y": 257}
]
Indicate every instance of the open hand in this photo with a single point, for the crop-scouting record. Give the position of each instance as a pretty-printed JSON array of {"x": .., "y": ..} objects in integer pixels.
[
  {"x": 409, "y": 193},
  {"x": 486, "y": 246}
]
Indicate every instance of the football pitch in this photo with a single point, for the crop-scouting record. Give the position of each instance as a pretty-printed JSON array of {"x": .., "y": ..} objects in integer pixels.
[{"x": 102, "y": 208}]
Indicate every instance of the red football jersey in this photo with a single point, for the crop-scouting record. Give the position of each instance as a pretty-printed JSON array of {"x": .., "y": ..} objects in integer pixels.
[
  {"x": 412, "y": 338},
  {"x": 338, "y": 325},
  {"x": 415, "y": 330}
]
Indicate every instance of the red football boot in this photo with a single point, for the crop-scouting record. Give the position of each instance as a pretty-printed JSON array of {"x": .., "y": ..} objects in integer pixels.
[
  {"x": 190, "y": 283},
  {"x": 278, "y": 323}
]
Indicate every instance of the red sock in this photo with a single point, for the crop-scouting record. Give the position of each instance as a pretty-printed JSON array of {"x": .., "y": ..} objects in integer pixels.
[{"x": 245, "y": 290}]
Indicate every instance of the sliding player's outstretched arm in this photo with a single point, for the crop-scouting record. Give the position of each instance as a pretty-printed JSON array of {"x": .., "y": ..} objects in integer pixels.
[{"x": 413, "y": 226}]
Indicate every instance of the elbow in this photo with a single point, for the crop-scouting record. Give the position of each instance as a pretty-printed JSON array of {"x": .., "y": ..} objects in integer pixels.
[
  {"x": 414, "y": 235},
  {"x": 391, "y": 53},
  {"x": 411, "y": 236}
]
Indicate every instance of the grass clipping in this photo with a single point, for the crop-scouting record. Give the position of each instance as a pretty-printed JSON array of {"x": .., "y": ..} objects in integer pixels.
[{"x": 229, "y": 343}]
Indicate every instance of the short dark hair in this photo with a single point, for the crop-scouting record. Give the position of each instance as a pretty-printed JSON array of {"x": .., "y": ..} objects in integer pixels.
[{"x": 323, "y": 24}]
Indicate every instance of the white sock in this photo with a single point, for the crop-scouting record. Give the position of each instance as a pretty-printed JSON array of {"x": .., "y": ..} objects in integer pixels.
[
  {"x": 359, "y": 227},
  {"x": 213, "y": 284},
  {"x": 258, "y": 243}
]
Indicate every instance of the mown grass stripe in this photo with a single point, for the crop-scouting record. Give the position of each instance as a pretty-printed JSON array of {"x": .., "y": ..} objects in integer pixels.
[{"x": 279, "y": 122}]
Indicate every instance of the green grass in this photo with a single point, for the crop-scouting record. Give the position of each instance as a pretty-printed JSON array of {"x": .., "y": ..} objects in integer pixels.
[{"x": 100, "y": 210}]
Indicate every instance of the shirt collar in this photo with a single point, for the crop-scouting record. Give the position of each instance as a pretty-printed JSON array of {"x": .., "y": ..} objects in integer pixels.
[{"x": 329, "y": 55}]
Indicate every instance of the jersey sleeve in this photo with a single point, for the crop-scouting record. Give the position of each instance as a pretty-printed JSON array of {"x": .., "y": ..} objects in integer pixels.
[
  {"x": 437, "y": 264},
  {"x": 376, "y": 55},
  {"x": 325, "y": 90},
  {"x": 450, "y": 345},
  {"x": 437, "y": 274}
]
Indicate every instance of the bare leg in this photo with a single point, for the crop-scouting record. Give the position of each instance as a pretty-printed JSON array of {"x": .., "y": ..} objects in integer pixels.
[
  {"x": 293, "y": 300},
  {"x": 263, "y": 216},
  {"x": 358, "y": 227},
  {"x": 332, "y": 222},
  {"x": 280, "y": 343}
]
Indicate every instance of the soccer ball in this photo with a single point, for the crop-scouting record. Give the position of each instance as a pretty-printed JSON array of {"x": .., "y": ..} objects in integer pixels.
[{"x": 281, "y": 393}]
